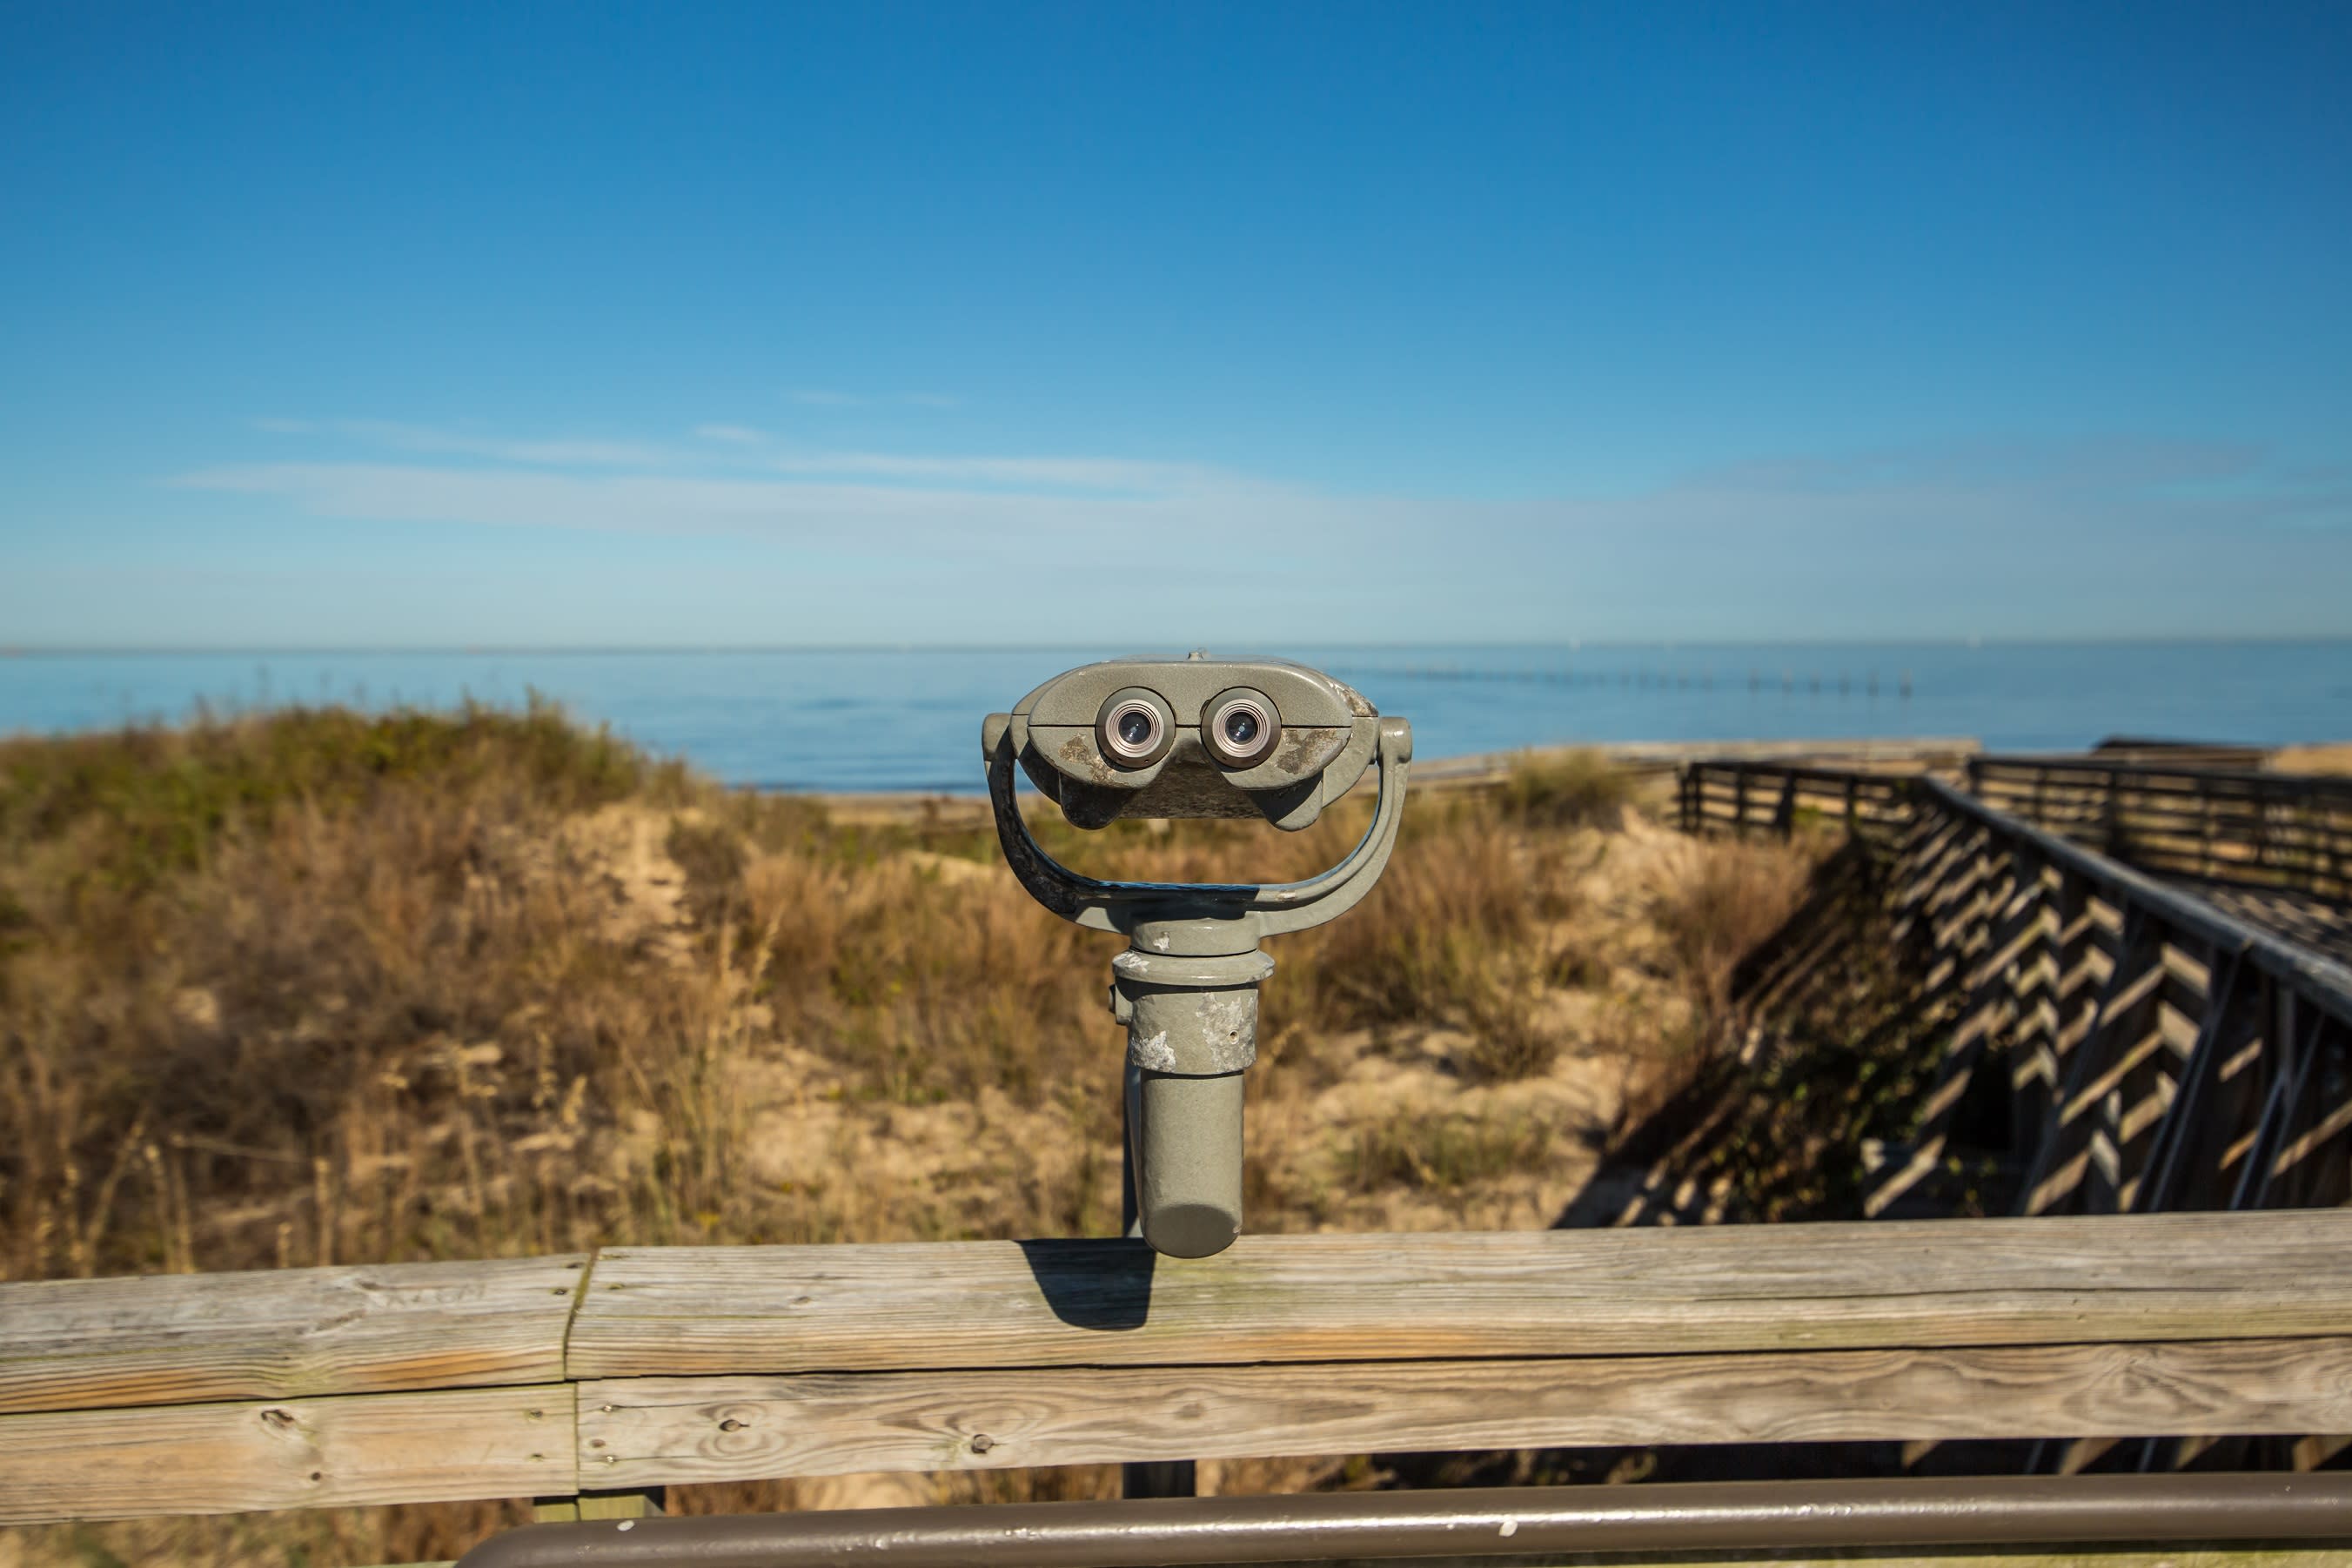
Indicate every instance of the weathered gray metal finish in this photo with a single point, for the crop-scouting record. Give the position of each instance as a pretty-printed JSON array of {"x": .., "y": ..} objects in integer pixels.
[
  {"x": 1742, "y": 1516},
  {"x": 1327, "y": 735},
  {"x": 1187, "y": 986},
  {"x": 1189, "y": 1014}
]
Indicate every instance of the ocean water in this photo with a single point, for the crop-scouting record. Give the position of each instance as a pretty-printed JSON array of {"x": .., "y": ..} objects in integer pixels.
[{"x": 885, "y": 719}]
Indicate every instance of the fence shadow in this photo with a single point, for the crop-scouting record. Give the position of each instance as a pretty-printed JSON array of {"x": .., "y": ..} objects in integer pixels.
[{"x": 1823, "y": 1003}]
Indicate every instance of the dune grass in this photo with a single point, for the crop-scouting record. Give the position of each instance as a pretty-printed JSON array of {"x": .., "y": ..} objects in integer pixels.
[{"x": 320, "y": 985}]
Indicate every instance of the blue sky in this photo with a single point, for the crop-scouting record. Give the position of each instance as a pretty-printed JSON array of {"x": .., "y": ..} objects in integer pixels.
[{"x": 1161, "y": 325}]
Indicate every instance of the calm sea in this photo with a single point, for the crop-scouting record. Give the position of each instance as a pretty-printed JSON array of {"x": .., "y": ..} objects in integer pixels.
[{"x": 874, "y": 719}]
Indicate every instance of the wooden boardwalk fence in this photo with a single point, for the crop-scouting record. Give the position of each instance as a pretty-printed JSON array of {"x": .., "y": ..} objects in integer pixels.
[
  {"x": 2144, "y": 1050},
  {"x": 1736, "y": 795},
  {"x": 2282, "y": 831}
]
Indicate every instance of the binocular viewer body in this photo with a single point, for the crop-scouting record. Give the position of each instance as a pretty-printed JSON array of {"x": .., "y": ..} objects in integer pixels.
[
  {"x": 1192, "y": 738},
  {"x": 1195, "y": 737}
]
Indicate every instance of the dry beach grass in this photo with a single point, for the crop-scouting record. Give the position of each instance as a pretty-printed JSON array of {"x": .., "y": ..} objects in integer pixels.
[{"x": 316, "y": 986}]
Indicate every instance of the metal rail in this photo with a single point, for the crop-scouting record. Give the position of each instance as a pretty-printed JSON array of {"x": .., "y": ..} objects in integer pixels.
[{"x": 1749, "y": 1516}]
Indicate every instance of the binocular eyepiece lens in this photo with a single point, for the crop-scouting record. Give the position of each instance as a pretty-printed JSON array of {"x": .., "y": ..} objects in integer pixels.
[
  {"x": 1133, "y": 729},
  {"x": 1239, "y": 728}
]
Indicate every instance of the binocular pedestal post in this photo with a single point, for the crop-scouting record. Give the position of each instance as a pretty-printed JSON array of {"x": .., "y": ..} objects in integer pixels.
[{"x": 1192, "y": 1032}]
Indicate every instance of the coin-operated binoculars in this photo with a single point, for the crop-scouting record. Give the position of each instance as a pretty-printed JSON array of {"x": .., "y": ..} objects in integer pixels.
[{"x": 1193, "y": 737}]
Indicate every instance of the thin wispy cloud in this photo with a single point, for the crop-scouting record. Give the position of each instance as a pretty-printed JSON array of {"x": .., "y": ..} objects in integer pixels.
[
  {"x": 1802, "y": 545},
  {"x": 744, "y": 448}
]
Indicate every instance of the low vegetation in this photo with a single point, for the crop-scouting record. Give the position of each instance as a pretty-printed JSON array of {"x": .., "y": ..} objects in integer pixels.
[{"x": 319, "y": 986}]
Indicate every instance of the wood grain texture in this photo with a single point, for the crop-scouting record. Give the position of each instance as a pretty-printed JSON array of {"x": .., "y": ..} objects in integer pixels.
[
  {"x": 662, "y": 1430},
  {"x": 286, "y": 1333},
  {"x": 299, "y": 1453},
  {"x": 695, "y": 1310}
]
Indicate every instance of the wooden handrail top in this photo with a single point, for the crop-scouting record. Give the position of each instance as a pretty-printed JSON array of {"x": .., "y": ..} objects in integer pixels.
[
  {"x": 1765, "y": 768},
  {"x": 1333, "y": 1298},
  {"x": 651, "y": 1365},
  {"x": 639, "y": 1312}
]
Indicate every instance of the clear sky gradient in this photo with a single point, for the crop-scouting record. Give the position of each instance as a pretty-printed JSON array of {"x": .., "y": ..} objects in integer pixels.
[{"x": 1155, "y": 325}]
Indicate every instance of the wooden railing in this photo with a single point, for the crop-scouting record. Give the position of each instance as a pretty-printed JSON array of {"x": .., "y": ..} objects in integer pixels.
[
  {"x": 2260, "y": 829},
  {"x": 2145, "y": 1050},
  {"x": 2128, "y": 1045},
  {"x": 1738, "y": 795},
  {"x": 2181, "y": 753},
  {"x": 556, "y": 1377}
]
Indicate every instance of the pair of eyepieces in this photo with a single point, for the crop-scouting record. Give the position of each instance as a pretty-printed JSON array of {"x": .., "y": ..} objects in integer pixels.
[{"x": 1239, "y": 728}]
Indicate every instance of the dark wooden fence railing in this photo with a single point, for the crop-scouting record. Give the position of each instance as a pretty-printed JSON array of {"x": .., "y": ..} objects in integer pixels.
[
  {"x": 2181, "y": 753},
  {"x": 2259, "y": 829},
  {"x": 2143, "y": 1050},
  {"x": 1737, "y": 795},
  {"x": 2155, "y": 1053}
]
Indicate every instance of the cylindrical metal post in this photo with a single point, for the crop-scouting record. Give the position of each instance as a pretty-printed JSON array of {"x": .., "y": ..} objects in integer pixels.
[
  {"x": 1192, "y": 1031},
  {"x": 1188, "y": 1171}
]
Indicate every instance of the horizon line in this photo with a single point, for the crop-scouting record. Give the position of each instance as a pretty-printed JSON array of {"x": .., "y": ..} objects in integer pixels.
[{"x": 483, "y": 651}]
